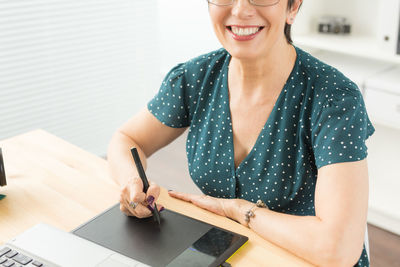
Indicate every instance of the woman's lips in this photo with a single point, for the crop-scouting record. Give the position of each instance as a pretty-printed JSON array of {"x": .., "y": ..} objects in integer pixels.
[{"x": 243, "y": 37}]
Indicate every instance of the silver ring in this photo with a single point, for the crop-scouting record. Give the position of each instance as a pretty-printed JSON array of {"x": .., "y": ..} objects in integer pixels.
[{"x": 133, "y": 205}]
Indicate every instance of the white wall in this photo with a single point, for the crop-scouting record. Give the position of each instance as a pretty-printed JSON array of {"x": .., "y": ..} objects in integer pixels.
[
  {"x": 185, "y": 31},
  {"x": 383, "y": 161}
]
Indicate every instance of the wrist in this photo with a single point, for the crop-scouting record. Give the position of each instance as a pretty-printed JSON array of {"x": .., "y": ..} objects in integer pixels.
[
  {"x": 237, "y": 210},
  {"x": 243, "y": 211},
  {"x": 229, "y": 207},
  {"x": 226, "y": 205}
]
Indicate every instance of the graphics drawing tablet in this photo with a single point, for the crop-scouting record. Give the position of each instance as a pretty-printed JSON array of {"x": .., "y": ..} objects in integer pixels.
[{"x": 178, "y": 241}]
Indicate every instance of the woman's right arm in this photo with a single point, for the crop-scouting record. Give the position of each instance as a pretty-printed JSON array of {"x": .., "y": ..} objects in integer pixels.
[{"x": 147, "y": 134}]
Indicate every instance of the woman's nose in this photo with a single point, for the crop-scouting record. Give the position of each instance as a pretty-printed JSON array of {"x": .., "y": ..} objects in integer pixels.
[{"x": 243, "y": 9}]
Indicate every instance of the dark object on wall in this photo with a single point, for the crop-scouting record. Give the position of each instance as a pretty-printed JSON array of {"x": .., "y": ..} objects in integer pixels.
[
  {"x": 334, "y": 25},
  {"x": 3, "y": 181}
]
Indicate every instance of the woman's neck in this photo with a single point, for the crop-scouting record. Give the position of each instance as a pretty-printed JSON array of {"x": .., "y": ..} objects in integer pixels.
[{"x": 253, "y": 75}]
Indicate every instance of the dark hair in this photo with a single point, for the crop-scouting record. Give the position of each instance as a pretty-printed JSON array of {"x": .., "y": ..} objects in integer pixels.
[{"x": 289, "y": 26}]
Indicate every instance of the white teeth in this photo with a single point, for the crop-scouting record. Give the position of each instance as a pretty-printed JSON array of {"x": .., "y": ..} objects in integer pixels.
[{"x": 244, "y": 31}]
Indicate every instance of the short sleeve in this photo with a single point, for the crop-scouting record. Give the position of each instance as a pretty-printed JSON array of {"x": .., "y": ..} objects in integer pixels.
[
  {"x": 170, "y": 105},
  {"x": 340, "y": 130}
]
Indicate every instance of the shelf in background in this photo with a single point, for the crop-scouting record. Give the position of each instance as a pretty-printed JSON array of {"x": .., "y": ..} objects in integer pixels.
[
  {"x": 362, "y": 46},
  {"x": 358, "y": 69}
]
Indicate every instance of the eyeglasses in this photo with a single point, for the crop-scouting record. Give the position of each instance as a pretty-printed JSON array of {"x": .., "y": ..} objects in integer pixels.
[{"x": 253, "y": 2}]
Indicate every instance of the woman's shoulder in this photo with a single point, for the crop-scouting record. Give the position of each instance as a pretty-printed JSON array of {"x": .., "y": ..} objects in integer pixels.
[
  {"x": 209, "y": 58},
  {"x": 206, "y": 60},
  {"x": 324, "y": 78},
  {"x": 200, "y": 66}
]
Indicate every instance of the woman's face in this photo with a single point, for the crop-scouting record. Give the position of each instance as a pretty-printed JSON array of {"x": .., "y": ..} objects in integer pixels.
[{"x": 247, "y": 31}]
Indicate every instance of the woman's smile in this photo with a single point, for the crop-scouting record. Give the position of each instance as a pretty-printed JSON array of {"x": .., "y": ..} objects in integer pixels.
[
  {"x": 244, "y": 33},
  {"x": 250, "y": 32}
]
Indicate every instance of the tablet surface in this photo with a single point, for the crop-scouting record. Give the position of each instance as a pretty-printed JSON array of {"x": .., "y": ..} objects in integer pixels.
[{"x": 178, "y": 241}]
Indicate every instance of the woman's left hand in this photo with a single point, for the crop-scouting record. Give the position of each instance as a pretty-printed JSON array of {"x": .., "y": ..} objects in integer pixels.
[{"x": 213, "y": 204}]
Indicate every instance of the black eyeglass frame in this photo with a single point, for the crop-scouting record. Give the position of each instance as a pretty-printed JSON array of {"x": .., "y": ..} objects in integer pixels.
[{"x": 250, "y": 1}]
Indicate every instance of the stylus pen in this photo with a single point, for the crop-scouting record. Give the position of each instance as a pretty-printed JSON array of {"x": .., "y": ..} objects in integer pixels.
[{"x": 142, "y": 175}]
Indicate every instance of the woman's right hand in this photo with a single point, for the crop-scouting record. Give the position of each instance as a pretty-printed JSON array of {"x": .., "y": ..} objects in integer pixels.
[
  {"x": 148, "y": 135},
  {"x": 134, "y": 202}
]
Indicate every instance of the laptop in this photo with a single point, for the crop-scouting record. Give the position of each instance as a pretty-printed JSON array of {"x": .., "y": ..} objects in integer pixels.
[{"x": 113, "y": 239}]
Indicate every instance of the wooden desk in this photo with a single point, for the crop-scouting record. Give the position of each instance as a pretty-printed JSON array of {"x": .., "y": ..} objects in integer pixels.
[{"x": 52, "y": 181}]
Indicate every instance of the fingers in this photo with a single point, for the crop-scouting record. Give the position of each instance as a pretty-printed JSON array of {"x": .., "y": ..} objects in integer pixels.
[
  {"x": 203, "y": 201},
  {"x": 182, "y": 196},
  {"x": 133, "y": 192},
  {"x": 136, "y": 194},
  {"x": 153, "y": 192},
  {"x": 140, "y": 211}
]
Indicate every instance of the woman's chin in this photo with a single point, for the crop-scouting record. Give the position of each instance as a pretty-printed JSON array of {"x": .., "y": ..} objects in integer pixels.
[{"x": 244, "y": 54}]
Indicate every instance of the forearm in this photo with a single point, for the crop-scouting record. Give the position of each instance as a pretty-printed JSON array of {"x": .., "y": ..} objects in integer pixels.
[
  {"x": 305, "y": 236},
  {"x": 119, "y": 157}
]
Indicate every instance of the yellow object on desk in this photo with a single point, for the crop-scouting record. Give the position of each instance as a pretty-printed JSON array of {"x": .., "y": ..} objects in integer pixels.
[{"x": 54, "y": 182}]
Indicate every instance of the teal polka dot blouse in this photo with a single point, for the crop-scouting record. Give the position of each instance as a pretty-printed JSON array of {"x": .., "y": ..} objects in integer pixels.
[{"x": 318, "y": 119}]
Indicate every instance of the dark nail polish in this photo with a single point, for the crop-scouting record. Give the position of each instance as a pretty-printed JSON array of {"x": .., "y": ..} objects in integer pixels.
[
  {"x": 170, "y": 190},
  {"x": 150, "y": 200},
  {"x": 150, "y": 208},
  {"x": 162, "y": 208}
]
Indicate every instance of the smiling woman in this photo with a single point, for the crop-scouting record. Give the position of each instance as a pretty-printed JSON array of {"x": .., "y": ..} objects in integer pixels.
[
  {"x": 231, "y": 21},
  {"x": 268, "y": 123},
  {"x": 287, "y": 29}
]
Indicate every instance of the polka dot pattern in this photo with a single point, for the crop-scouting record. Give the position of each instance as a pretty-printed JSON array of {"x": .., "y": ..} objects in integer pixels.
[{"x": 318, "y": 119}]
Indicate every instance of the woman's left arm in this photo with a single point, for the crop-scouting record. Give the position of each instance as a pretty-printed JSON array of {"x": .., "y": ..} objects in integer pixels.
[{"x": 333, "y": 237}]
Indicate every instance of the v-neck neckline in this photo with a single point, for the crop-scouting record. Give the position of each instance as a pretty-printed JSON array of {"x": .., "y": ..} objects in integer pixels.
[{"x": 269, "y": 119}]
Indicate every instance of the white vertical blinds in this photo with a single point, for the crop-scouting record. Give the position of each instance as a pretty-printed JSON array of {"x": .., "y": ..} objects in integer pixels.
[{"x": 76, "y": 68}]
